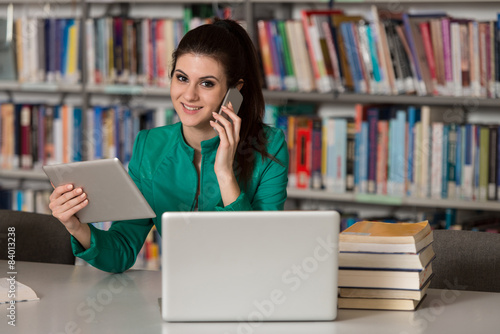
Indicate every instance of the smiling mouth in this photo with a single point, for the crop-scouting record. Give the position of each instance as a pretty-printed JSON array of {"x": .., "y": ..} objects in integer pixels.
[{"x": 191, "y": 108}]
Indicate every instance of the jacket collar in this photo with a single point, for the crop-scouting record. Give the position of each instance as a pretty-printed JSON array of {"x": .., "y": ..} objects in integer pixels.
[{"x": 207, "y": 146}]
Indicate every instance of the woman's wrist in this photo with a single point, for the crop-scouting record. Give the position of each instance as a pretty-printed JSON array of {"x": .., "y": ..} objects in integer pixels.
[
  {"x": 229, "y": 188},
  {"x": 82, "y": 234}
]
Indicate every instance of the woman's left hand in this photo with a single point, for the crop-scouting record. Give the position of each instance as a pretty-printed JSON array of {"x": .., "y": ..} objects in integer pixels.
[{"x": 229, "y": 134}]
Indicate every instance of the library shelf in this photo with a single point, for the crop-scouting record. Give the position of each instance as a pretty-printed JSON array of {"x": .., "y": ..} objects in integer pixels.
[
  {"x": 294, "y": 193},
  {"x": 44, "y": 87},
  {"x": 158, "y": 1},
  {"x": 333, "y": 97},
  {"x": 368, "y": 2},
  {"x": 128, "y": 90},
  {"x": 37, "y": 175}
]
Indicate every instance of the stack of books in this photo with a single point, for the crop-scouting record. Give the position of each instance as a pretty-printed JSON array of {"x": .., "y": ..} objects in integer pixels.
[{"x": 386, "y": 266}]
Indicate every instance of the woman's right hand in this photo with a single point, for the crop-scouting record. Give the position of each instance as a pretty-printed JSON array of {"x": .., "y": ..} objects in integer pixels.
[{"x": 65, "y": 202}]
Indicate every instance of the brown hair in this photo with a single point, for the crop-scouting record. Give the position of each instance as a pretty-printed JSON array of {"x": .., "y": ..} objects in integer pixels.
[{"x": 228, "y": 43}]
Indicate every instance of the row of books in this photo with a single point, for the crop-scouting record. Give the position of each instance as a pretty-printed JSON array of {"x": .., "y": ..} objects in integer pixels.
[
  {"x": 29, "y": 200},
  {"x": 35, "y": 135},
  {"x": 389, "y": 53},
  {"x": 398, "y": 151},
  {"x": 117, "y": 50},
  {"x": 385, "y": 266}
]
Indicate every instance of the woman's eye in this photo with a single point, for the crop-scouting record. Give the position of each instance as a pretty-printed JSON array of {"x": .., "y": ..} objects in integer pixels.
[
  {"x": 181, "y": 78},
  {"x": 207, "y": 84}
]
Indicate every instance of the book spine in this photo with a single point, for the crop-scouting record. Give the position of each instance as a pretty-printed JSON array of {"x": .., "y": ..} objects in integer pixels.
[
  {"x": 483, "y": 59},
  {"x": 277, "y": 54},
  {"x": 498, "y": 163},
  {"x": 351, "y": 155},
  {"x": 465, "y": 60},
  {"x": 474, "y": 55},
  {"x": 160, "y": 55},
  {"x": 274, "y": 52},
  {"x": 456, "y": 60},
  {"x": 413, "y": 49},
  {"x": 328, "y": 152},
  {"x": 364, "y": 143},
  {"x": 290, "y": 78},
  {"x": 373, "y": 116},
  {"x": 316, "y": 181},
  {"x": 447, "y": 54},
  {"x": 400, "y": 158},
  {"x": 349, "y": 52},
  {"x": 405, "y": 62},
  {"x": 437, "y": 159},
  {"x": 360, "y": 32},
  {"x": 429, "y": 53},
  {"x": 484, "y": 151},
  {"x": 452, "y": 160},
  {"x": 271, "y": 80},
  {"x": 497, "y": 55},
  {"x": 382, "y": 156},
  {"x": 491, "y": 62},
  {"x": 383, "y": 49},
  {"x": 25, "y": 138},
  {"x": 332, "y": 50},
  {"x": 340, "y": 154},
  {"x": 303, "y": 145},
  {"x": 313, "y": 50},
  {"x": 460, "y": 161},
  {"x": 412, "y": 120},
  {"x": 445, "y": 157},
  {"x": 492, "y": 172}
]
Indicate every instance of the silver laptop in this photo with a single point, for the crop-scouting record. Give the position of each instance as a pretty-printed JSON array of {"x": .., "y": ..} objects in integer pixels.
[{"x": 249, "y": 266}]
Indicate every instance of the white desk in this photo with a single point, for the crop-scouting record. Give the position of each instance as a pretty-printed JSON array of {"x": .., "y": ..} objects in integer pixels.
[{"x": 80, "y": 299}]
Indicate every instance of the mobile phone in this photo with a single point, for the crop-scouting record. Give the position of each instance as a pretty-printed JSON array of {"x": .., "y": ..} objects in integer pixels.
[{"x": 234, "y": 96}]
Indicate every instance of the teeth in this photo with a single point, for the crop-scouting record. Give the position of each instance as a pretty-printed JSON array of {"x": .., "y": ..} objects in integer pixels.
[{"x": 191, "y": 109}]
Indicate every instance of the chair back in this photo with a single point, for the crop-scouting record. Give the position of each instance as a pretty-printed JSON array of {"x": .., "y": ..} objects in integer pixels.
[
  {"x": 466, "y": 260},
  {"x": 38, "y": 238}
]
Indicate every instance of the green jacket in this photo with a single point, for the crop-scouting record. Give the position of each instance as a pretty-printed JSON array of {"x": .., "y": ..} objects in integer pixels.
[{"x": 162, "y": 168}]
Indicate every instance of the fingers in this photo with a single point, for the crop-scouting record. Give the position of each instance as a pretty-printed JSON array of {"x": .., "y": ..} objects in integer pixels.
[
  {"x": 224, "y": 128},
  {"x": 58, "y": 191},
  {"x": 64, "y": 202},
  {"x": 229, "y": 111},
  {"x": 76, "y": 205}
]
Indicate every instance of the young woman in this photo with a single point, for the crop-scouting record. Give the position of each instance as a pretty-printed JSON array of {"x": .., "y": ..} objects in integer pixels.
[{"x": 205, "y": 162}]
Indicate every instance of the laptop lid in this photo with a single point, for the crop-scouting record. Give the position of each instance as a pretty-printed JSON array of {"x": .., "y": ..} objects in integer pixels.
[{"x": 250, "y": 266}]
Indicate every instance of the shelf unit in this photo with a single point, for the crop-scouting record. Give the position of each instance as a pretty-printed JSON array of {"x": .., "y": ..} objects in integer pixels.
[
  {"x": 85, "y": 91},
  {"x": 373, "y": 199}
]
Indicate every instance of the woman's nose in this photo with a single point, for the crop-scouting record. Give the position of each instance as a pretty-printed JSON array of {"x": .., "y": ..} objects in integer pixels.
[{"x": 191, "y": 93}]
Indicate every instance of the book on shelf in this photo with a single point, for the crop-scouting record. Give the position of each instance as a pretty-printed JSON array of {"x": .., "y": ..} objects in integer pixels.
[
  {"x": 33, "y": 135},
  {"x": 7, "y": 50},
  {"x": 317, "y": 46},
  {"x": 397, "y": 52},
  {"x": 439, "y": 157}
]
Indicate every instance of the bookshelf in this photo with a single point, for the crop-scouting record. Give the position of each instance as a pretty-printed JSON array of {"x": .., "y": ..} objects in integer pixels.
[{"x": 89, "y": 92}]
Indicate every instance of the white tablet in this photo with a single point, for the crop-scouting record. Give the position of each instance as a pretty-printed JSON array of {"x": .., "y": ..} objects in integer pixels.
[{"x": 112, "y": 194}]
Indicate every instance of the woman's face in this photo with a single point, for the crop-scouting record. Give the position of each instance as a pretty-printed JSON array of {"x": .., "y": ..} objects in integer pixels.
[{"x": 197, "y": 89}]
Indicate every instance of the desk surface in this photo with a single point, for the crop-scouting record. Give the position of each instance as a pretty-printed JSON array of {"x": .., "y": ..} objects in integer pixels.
[{"x": 81, "y": 299}]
